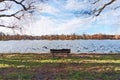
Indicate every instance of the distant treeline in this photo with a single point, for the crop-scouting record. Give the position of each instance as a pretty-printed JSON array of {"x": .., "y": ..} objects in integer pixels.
[{"x": 57, "y": 37}]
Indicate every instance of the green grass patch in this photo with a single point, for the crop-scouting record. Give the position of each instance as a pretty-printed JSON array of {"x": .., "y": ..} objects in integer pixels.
[
  {"x": 81, "y": 67},
  {"x": 19, "y": 76},
  {"x": 81, "y": 75}
]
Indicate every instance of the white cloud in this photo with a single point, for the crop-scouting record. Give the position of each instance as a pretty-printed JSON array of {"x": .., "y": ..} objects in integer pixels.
[
  {"x": 73, "y": 25},
  {"x": 77, "y": 5},
  {"x": 47, "y": 26},
  {"x": 46, "y": 8},
  {"x": 42, "y": 26}
]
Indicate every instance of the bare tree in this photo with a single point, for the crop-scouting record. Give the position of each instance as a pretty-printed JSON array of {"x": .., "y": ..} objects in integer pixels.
[
  {"x": 15, "y": 9},
  {"x": 97, "y": 11}
]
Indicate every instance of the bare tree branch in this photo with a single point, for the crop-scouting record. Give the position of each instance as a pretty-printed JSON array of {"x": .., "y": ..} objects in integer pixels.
[
  {"x": 103, "y": 7},
  {"x": 25, "y": 7},
  {"x": 117, "y": 7},
  {"x": 20, "y": 3},
  {"x": 13, "y": 27},
  {"x": 95, "y": 1}
]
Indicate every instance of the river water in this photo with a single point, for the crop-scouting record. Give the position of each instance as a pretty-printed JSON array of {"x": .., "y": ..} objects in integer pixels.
[{"x": 76, "y": 46}]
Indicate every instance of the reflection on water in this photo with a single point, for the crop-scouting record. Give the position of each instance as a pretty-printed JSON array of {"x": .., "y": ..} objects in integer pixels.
[{"x": 76, "y": 46}]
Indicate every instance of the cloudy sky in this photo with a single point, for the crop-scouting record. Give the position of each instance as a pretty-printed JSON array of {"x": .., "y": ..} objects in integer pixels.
[{"x": 73, "y": 16}]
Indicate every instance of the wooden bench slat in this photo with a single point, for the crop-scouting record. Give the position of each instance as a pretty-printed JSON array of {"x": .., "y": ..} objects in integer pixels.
[{"x": 59, "y": 51}]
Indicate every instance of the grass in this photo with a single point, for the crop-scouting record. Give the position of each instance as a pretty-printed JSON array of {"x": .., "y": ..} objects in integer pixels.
[
  {"x": 19, "y": 75},
  {"x": 43, "y": 67}
]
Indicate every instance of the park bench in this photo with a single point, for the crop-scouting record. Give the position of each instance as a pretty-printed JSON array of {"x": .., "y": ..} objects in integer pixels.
[{"x": 59, "y": 51}]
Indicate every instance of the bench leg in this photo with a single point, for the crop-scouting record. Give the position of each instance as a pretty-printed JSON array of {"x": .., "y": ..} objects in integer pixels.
[
  {"x": 53, "y": 55},
  {"x": 67, "y": 54}
]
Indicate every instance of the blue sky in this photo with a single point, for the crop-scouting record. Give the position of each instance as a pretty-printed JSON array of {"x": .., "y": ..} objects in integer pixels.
[{"x": 73, "y": 16}]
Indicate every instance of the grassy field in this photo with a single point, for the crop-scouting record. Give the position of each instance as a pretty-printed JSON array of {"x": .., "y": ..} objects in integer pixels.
[{"x": 44, "y": 67}]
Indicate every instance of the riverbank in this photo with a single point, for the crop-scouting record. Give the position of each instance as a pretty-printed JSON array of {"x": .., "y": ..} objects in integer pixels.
[{"x": 44, "y": 67}]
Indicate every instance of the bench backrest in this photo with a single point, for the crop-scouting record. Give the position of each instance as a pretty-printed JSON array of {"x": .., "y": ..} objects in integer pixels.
[{"x": 59, "y": 50}]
